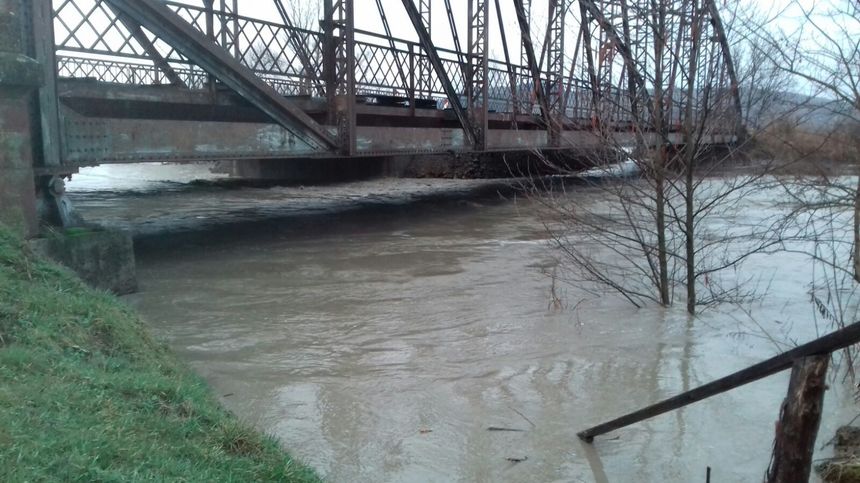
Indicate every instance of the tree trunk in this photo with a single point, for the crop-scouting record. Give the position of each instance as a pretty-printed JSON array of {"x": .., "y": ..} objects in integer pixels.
[
  {"x": 662, "y": 251},
  {"x": 857, "y": 232},
  {"x": 689, "y": 237},
  {"x": 661, "y": 164},
  {"x": 689, "y": 154},
  {"x": 799, "y": 418}
]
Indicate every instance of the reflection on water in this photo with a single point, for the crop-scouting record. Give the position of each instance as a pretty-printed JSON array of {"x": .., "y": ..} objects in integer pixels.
[{"x": 381, "y": 344}]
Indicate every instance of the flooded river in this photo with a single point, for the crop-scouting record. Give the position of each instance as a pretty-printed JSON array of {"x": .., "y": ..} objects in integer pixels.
[{"x": 386, "y": 330}]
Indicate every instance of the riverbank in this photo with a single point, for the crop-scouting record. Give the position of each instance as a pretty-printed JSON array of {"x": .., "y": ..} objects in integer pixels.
[{"x": 86, "y": 394}]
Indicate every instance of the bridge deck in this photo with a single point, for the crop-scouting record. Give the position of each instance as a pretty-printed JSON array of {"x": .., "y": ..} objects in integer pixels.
[{"x": 114, "y": 123}]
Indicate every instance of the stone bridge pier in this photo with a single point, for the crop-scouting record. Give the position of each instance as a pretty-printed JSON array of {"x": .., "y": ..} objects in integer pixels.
[
  {"x": 21, "y": 77},
  {"x": 31, "y": 185}
]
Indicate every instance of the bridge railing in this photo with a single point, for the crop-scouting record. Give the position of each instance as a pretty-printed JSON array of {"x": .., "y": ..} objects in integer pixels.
[{"x": 92, "y": 43}]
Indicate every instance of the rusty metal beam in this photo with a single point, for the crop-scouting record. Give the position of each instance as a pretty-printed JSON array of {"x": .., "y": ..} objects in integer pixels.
[
  {"x": 160, "y": 62},
  {"x": 527, "y": 11},
  {"x": 170, "y": 27},
  {"x": 554, "y": 48},
  {"x": 589, "y": 63},
  {"x": 329, "y": 49},
  {"x": 43, "y": 52},
  {"x": 343, "y": 19},
  {"x": 512, "y": 76},
  {"x": 478, "y": 81},
  {"x": 455, "y": 35},
  {"x": 620, "y": 46},
  {"x": 740, "y": 129},
  {"x": 424, "y": 82},
  {"x": 436, "y": 62},
  {"x": 571, "y": 74}
]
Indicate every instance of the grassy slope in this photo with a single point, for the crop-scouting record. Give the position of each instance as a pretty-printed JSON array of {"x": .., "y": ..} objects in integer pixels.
[{"x": 86, "y": 394}]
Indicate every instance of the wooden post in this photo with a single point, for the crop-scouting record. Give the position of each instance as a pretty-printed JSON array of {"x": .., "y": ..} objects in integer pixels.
[{"x": 798, "y": 423}]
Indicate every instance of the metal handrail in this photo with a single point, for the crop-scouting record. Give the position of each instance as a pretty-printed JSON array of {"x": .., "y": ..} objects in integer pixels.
[{"x": 827, "y": 344}]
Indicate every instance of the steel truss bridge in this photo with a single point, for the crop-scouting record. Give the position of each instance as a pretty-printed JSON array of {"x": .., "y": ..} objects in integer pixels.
[{"x": 155, "y": 80}]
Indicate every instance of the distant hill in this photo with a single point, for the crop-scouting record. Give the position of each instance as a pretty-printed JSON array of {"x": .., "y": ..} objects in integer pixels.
[{"x": 813, "y": 113}]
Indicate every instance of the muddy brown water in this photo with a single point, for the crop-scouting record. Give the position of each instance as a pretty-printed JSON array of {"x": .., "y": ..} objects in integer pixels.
[{"x": 381, "y": 343}]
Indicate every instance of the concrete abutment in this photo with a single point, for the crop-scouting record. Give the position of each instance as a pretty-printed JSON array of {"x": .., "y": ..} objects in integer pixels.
[{"x": 32, "y": 202}]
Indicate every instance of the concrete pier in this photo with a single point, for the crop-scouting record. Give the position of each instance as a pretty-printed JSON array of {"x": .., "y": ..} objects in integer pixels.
[
  {"x": 104, "y": 259},
  {"x": 20, "y": 76}
]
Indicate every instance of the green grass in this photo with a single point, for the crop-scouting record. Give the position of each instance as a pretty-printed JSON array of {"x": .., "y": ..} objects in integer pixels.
[{"x": 86, "y": 394}]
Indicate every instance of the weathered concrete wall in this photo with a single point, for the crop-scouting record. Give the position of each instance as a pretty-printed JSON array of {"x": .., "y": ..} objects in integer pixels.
[
  {"x": 19, "y": 77},
  {"x": 104, "y": 259},
  {"x": 17, "y": 192}
]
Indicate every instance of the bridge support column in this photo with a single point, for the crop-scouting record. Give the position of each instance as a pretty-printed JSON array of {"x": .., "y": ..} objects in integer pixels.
[
  {"x": 477, "y": 83},
  {"x": 20, "y": 77},
  {"x": 339, "y": 71}
]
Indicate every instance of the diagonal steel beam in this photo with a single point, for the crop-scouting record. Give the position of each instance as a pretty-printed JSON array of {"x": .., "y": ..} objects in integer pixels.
[
  {"x": 740, "y": 129},
  {"x": 171, "y": 28},
  {"x": 512, "y": 76},
  {"x": 620, "y": 46},
  {"x": 427, "y": 44},
  {"x": 534, "y": 68},
  {"x": 452, "y": 24},
  {"x": 148, "y": 47}
]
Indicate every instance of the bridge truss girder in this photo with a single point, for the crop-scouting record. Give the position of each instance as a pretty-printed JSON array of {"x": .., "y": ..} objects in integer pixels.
[
  {"x": 477, "y": 86},
  {"x": 433, "y": 56},
  {"x": 603, "y": 81},
  {"x": 171, "y": 28}
]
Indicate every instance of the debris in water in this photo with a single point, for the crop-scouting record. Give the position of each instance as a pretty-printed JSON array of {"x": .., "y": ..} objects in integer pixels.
[
  {"x": 496, "y": 428},
  {"x": 425, "y": 430},
  {"x": 517, "y": 460}
]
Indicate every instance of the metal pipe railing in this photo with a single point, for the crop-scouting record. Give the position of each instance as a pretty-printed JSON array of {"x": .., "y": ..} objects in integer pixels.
[{"x": 827, "y": 344}]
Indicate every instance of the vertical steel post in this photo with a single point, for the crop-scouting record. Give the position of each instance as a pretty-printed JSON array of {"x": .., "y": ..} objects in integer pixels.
[
  {"x": 527, "y": 10},
  {"x": 230, "y": 26},
  {"x": 345, "y": 75},
  {"x": 469, "y": 64},
  {"x": 43, "y": 52},
  {"x": 411, "y": 92},
  {"x": 224, "y": 19},
  {"x": 209, "y": 5},
  {"x": 555, "y": 67},
  {"x": 477, "y": 88},
  {"x": 425, "y": 70},
  {"x": 329, "y": 50},
  {"x": 526, "y": 93},
  {"x": 237, "y": 52}
]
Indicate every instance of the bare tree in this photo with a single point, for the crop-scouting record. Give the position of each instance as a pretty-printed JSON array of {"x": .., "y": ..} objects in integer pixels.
[
  {"x": 823, "y": 53},
  {"x": 666, "y": 226}
]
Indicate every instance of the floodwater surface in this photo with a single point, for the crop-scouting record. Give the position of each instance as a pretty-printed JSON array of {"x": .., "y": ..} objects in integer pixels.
[{"x": 420, "y": 342}]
